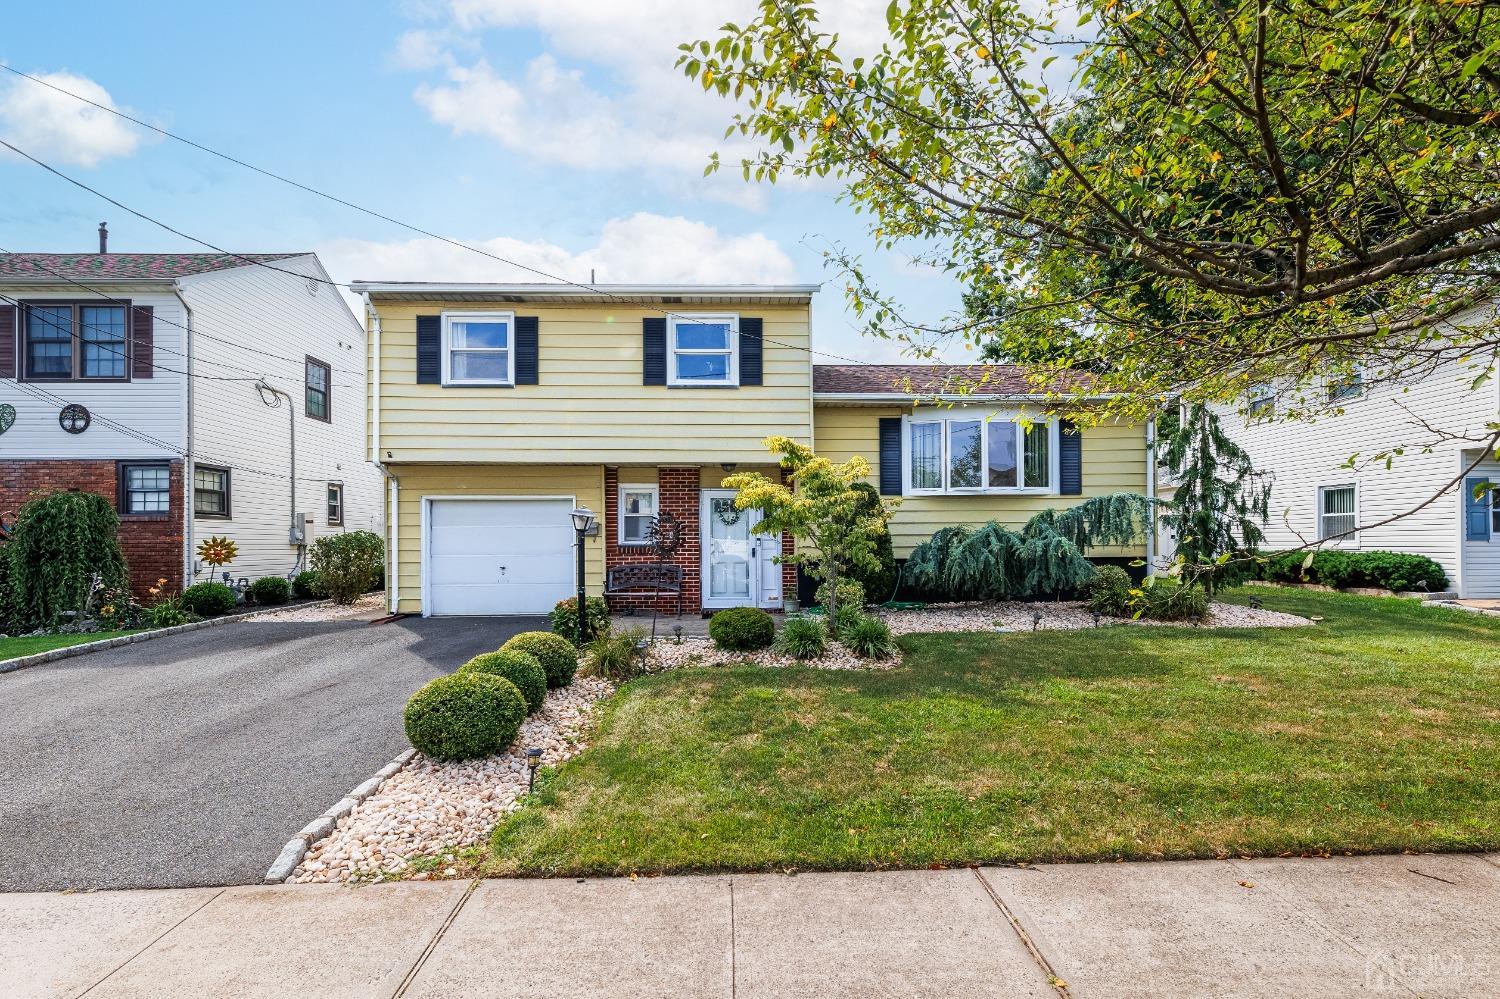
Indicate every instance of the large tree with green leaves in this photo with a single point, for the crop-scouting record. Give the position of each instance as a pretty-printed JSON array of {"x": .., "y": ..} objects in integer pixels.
[{"x": 1215, "y": 194}]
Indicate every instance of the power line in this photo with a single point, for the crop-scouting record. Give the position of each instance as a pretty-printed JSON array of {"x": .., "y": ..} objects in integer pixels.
[{"x": 337, "y": 200}]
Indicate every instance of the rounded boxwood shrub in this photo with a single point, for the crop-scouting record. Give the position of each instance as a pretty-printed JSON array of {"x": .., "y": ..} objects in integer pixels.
[
  {"x": 464, "y": 715},
  {"x": 742, "y": 629},
  {"x": 208, "y": 599},
  {"x": 350, "y": 563},
  {"x": 309, "y": 585},
  {"x": 558, "y": 656},
  {"x": 270, "y": 591},
  {"x": 520, "y": 668}
]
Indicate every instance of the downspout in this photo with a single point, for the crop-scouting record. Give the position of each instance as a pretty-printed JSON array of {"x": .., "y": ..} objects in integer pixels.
[
  {"x": 393, "y": 502},
  {"x": 1151, "y": 494},
  {"x": 187, "y": 436}
]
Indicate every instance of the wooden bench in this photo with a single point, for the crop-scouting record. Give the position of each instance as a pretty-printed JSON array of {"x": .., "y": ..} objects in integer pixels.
[{"x": 634, "y": 579}]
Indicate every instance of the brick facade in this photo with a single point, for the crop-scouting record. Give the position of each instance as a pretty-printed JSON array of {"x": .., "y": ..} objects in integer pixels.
[
  {"x": 679, "y": 488},
  {"x": 152, "y": 543}
]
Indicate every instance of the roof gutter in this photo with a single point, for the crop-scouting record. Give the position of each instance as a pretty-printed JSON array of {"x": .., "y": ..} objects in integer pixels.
[{"x": 584, "y": 291}]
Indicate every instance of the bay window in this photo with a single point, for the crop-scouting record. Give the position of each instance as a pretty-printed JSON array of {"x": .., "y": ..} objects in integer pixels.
[{"x": 979, "y": 454}]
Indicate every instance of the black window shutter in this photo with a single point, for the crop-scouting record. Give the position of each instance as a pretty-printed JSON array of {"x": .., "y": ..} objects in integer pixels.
[
  {"x": 1070, "y": 460},
  {"x": 890, "y": 456},
  {"x": 526, "y": 350},
  {"x": 654, "y": 350},
  {"x": 142, "y": 347},
  {"x": 429, "y": 350},
  {"x": 750, "y": 350},
  {"x": 8, "y": 326}
]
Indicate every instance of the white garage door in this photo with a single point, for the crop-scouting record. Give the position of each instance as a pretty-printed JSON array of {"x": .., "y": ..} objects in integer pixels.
[{"x": 510, "y": 556}]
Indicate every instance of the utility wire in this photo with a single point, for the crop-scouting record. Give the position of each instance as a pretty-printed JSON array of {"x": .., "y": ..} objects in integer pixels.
[{"x": 337, "y": 200}]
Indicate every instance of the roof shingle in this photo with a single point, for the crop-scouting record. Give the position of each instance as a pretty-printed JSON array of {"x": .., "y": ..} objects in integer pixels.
[
  {"x": 48, "y": 267},
  {"x": 925, "y": 379}
]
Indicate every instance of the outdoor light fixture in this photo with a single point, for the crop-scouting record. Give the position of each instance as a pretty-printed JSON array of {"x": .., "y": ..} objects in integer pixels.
[
  {"x": 677, "y": 633},
  {"x": 641, "y": 647},
  {"x": 1036, "y": 620},
  {"x": 583, "y": 519},
  {"x": 729, "y": 466},
  {"x": 1096, "y": 618},
  {"x": 533, "y": 760},
  {"x": 1256, "y": 603}
]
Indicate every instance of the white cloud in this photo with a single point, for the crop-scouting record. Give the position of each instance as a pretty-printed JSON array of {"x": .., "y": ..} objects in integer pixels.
[
  {"x": 640, "y": 111},
  {"x": 640, "y": 248},
  {"x": 51, "y": 125}
]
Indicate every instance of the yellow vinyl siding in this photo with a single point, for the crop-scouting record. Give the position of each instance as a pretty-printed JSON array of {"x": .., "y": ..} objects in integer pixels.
[
  {"x": 584, "y": 482},
  {"x": 1114, "y": 460},
  {"x": 590, "y": 406}
]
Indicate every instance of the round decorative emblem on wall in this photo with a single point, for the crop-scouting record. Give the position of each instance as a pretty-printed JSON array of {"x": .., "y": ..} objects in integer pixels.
[
  {"x": 74, "y": 418},
  {"x": 7, "y": 416}
]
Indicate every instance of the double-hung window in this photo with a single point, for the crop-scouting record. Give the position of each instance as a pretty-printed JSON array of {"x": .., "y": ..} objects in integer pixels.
[
  {"x": 637, "y": 510},
  {"x": 145, "y": 487},
  {"x": 210, "y": 491},
  {"x": 1337, "y": 512},
  {"x": 1261, "y": 402},
  {"x": 68, "y": 342},
  {"x": 703, "y": 350},
  {"x": 979, "y": 454},
  {"x": 1350, "y": 386},
  {"x": 317, "y": 379},
  {"x": 335, "y": 504},
  {"x": 479, "y": 348}
]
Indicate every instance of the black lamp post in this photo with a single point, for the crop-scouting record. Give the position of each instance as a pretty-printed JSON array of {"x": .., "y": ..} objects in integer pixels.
[{"x": 583, "y": 519}]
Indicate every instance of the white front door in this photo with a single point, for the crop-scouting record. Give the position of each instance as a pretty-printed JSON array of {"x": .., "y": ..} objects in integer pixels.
[{"x": 737, "y": 565}]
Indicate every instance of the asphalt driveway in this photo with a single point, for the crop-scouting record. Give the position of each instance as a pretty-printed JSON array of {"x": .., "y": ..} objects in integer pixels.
[{"x": 191, "y": 759}]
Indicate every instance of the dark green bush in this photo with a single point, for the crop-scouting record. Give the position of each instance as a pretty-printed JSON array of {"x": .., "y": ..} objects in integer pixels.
[
  {"x": 564, "y": 618},
  {"x": 349, "y": 564},
  {"x": 1398, "y": 571},
  {"x": 1109, "y": 591},
  {"x": 558, "y": 656},
  {"x": 519, "y": 668},
  {"x": 742, "y": 629},
  {"x": 613, "y": 656},
  {"x": 309, "y": 585},
  {"x": 1169, "y": 601},
  {"x": 270, "y": 591},
  {"x": 802, "y": 638},
  {"x": 58, "y": 544},
  {"x": 464, "y": 715},
  {"x": 869, "y": 638},
  {"x": 208, "y": 599}
]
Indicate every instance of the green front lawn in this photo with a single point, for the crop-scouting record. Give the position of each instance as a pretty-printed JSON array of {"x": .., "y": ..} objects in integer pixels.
[
  {"x": 15, "y": 648},
  {"x": 1377, "y": 730}
]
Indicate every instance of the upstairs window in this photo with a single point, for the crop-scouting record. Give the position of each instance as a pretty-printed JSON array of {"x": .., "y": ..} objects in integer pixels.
[
  {"x": 478, "y": 348},
  {"x": 210, "y": 491},
  {"x": 703, "y": 350},
  {"x": 637, "y": 510},
  {"x": 75, "y": 342},
  {"x": 966, "y": 454},
  {"x": 317, "y": 380},
  {"x": 1337, "y": 513}
]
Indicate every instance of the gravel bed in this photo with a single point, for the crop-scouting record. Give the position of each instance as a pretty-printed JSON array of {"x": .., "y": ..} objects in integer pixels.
[
  {"x": 368, "y": 605},
  {"x": 666, "y": 654},
  {"x": 1062, "y": 616},
  {"x": 430, "y": 807}
]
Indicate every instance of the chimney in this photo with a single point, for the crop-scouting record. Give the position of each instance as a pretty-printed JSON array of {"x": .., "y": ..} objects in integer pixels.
[{"x": 103, "y": 237}]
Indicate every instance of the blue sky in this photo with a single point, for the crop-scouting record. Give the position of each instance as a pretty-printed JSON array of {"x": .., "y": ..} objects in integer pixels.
[{"x": 555, "y": 132}]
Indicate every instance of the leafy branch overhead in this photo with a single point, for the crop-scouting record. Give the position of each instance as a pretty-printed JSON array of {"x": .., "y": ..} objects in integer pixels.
[{"x": 1213, "y": 195}]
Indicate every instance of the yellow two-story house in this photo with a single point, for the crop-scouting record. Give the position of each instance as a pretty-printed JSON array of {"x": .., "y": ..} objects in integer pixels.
[{"x": 498, "y": 409}]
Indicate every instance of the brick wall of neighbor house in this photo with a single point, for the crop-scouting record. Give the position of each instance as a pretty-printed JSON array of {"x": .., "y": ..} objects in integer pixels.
[
  {"x": 152, "y": 544},
  {"x": 788, "y": 549},
  {"x": 679, "y": 497}
]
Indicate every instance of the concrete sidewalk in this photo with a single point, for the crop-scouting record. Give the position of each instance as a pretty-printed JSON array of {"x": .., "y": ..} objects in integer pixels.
[{"x": 1397, "y": 925}]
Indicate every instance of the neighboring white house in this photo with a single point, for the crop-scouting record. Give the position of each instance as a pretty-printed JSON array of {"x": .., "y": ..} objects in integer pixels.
[
  {"x": 174, "y": 384},
  {"x": 1317, "y": 494}
]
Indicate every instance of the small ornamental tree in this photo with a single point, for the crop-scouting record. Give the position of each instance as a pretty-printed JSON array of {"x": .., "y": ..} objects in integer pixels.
[
  {"x": 823, "y": 508},
  {"x": 58, "y": 545},
  {"x": 1221, "y": 500}
]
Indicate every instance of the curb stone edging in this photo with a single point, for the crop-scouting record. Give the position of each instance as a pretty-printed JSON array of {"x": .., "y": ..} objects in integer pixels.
[
  {"x": 296, "y": 848},
  {"x": 84, "y": 648}
]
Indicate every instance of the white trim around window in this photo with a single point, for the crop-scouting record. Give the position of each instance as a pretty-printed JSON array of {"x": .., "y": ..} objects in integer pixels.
[
  {"x": 497, "y": 355},
  {"x": 1002, "y": 454},
  {"x": 1344, "y": 520},
  {"x": 638, "y": 505},
  {"x": 703, "y": 353}
]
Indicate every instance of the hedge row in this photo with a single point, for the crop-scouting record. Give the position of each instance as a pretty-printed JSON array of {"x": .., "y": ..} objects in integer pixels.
[{"x": 1342, "y": 570}]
